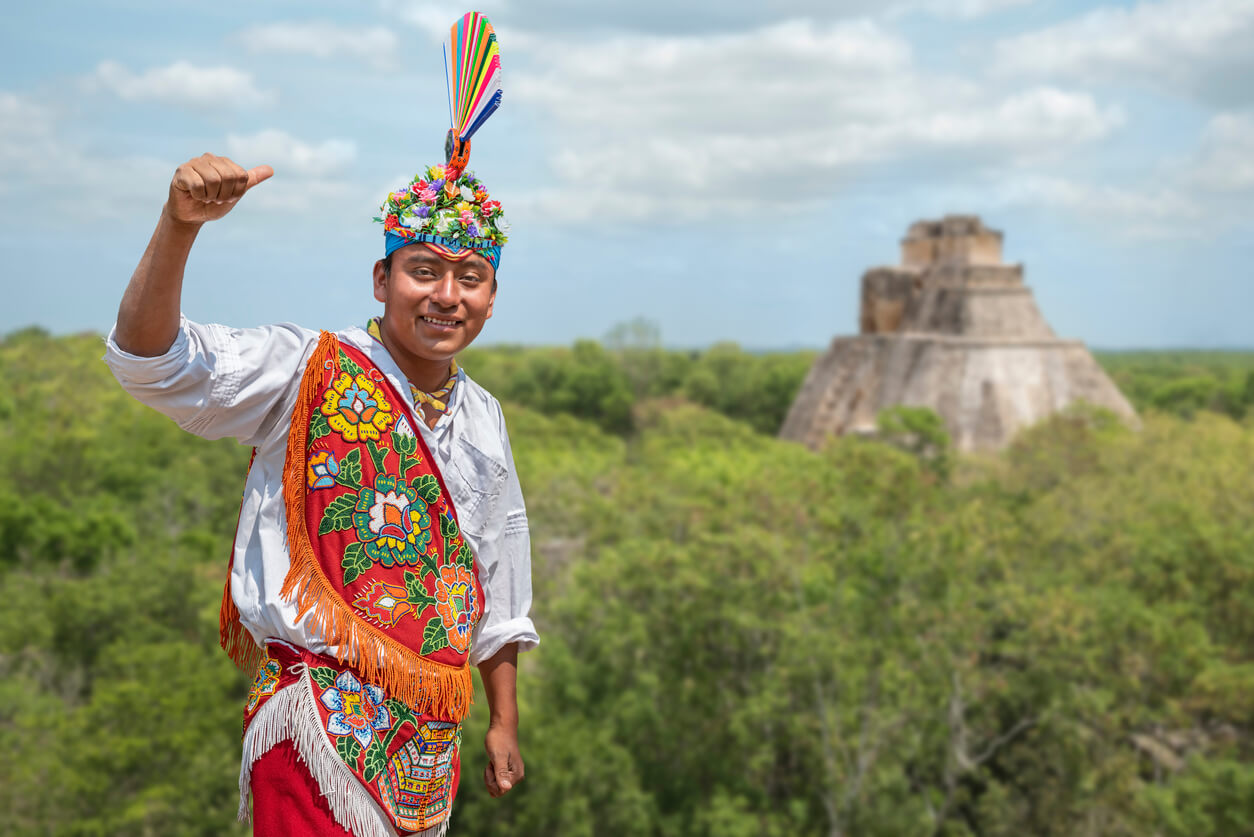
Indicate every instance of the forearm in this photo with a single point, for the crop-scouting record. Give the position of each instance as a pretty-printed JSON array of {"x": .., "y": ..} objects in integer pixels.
[
  {"x": 148, "y": 317},
  {"x": 500, "y": 681},
  {"x": 203, "y": 189}
]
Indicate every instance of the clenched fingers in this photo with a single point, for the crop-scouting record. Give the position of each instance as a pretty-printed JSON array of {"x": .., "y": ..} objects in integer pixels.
[
  {"x": 212, "y": 179},
  {"x": 504, "y": 770},
  {"x": 489, "y": 780},
  {"x": 187, "y": 179}
]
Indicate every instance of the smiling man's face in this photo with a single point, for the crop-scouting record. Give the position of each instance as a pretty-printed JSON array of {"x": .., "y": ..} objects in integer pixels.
[{"x": 433, "y": 308}]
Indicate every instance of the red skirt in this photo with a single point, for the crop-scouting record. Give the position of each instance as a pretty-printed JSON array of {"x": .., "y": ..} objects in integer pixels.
[{"x": 286, "y": 799}]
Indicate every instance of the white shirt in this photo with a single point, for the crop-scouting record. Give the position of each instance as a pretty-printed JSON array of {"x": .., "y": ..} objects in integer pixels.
[{"x": 216, "y": 381}]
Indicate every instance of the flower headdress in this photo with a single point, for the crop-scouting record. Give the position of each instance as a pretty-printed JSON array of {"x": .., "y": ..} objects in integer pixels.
[{"x": 447, "y": 207}]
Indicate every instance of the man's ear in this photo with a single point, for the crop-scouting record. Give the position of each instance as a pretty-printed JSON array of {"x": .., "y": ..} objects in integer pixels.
[{"x": 380, "y": 281}]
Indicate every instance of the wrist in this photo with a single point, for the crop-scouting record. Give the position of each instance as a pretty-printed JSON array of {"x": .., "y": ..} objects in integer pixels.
[{"x": 179, "y": 225}]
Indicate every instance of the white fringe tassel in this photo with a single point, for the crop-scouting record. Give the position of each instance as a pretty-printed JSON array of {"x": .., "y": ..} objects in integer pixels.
[{"x": 291, "y": 715}]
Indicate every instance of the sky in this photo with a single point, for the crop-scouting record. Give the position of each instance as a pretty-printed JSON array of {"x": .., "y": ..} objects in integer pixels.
[{"x": 726, "y": 171}]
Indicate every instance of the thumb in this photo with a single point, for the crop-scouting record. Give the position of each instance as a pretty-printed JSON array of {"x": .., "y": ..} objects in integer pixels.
[
  {"x": 504, "y": 774},
  {"x": 258, "y": 174}
]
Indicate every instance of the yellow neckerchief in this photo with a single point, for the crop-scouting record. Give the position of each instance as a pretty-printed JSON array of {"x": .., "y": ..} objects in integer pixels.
[{"x": 438, "y": 399}]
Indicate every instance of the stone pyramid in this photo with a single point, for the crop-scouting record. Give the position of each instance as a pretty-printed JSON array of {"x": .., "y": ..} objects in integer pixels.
[{"x": 954, "y": 329}]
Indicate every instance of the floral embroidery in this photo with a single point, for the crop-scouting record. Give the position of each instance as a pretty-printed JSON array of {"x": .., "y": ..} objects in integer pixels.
[
  {"x": 356, "y": 709},
  {"x": 392, "y": 522},
  {"x": 456, "y": 604},
  {"x": 264, "y": 683},
  {"x": 322, "y": 470},
  {"x": 356, "y": 409},
  {"x": 384, "y": 604}
]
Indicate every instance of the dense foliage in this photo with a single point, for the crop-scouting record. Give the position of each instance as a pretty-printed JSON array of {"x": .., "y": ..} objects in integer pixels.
[
  {"x": 600, "y": 383},
  {"x": 741, "y": 637},
  {"x": 1185, "y": 382}
]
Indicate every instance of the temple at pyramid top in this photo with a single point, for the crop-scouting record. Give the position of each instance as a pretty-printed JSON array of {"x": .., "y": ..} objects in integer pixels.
[
  {"x": 955, "y": 239},
  {"x": 956, "y": 329}
]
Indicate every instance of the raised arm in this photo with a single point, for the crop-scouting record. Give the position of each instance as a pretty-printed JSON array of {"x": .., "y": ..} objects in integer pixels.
[{"x": 203, "y": 189}]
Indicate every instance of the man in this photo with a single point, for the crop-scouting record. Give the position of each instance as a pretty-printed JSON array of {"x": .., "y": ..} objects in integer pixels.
[{"x": 382, "y": 544}]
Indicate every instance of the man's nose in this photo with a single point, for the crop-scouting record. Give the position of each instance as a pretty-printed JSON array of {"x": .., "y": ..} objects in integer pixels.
[{"x": 447, "y": 291}]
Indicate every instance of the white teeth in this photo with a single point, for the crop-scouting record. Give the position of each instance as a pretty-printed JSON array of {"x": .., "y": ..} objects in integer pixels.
[{"x": 440, "y": 322}]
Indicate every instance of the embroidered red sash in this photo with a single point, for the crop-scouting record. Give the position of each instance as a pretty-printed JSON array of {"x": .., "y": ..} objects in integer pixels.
[
  {"x": 377, "y": 556},
  {"x": 408, "y": 764}
]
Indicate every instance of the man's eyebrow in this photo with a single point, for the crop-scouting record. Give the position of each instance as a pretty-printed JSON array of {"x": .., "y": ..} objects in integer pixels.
[{"x": 416, "y": 259}]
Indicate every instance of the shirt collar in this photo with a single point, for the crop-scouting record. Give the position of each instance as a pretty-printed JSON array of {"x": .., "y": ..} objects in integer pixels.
[{"x": 358, "y": 338}]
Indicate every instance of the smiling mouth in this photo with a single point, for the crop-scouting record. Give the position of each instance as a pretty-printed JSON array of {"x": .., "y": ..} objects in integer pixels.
[{"x": 440, "y": 322}]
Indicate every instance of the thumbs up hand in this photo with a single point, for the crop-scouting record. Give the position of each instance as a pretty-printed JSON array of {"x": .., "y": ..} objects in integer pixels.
[{"x": 208, "y": 187}]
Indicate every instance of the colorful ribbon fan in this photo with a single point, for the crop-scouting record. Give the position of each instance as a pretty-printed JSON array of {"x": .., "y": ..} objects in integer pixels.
[{"x": 472, "y": 59}]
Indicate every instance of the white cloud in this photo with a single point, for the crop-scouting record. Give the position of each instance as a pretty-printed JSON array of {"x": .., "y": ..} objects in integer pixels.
[
  {"x": 1225, "y": 159},
  {"x": 184, "y": 85},
  {"x": 434, "y": 17},
  {"x": 306, "y": 174},
  {"x": 1200, "y": 47},
  {"x": 24, "y": 127},
  {"x": 555, "y": 17},
  {"x": 691, "y": 126},
  {"x": 53, "y": 170},
  {"x": 28, "y": 142},
  {"x": 1035, "y": 120},
  {"x": 965, "y": 9},
  {"x": 671, "y": 18},
  {"x": 374, "y": 45},
  {"x": 285, "y": 152},
  {"x": 1147, "y": 208},
  {"x": 1137, "y": 212},
  {"x": 54, "y": 174}
]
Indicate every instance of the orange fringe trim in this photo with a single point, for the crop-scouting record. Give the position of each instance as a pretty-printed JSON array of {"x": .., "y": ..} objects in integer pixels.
[
  {"x": 429, "y": 687},
  {"x": 232, "y": 635},
  {"x": 235, "y": 638}
]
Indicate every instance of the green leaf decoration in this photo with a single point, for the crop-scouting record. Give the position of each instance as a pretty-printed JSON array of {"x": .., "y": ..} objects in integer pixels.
[
  {"x": 377, "y": 455},
  {"x": 323, "y": 676},
  {"x": 318, "y": 426},
  {"x": 349, "y": 749},
  {"x": 400, "y": 712},
  {"x": 448, "y": 526},
  {"x": 465, "y": 556},
  {"x": 338, "y": 515},
  {"x": 416, "y": 593},
  {"x": 428, "y": 488},
  {"x": 350, "y": 470},
  {"x": 430, "y": 564},
  {"x": 376, "y": 759},
  {"x": 434, "y": 636},
  {"x": 347, "y": 365},
  {"x": 405, "y": 444},
  {"x": 355, "y": 562},
  {"x": 406, "y": 447}
]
